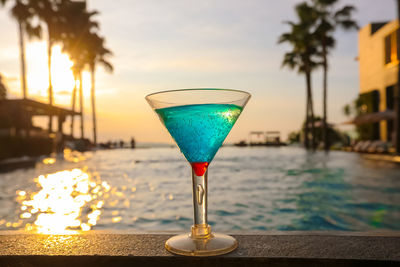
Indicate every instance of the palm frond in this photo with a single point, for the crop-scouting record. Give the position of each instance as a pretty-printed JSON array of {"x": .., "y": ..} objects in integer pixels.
[
  {"x": 345, "y": 11},
  {"x": 20, "y": 11},
  {"x": 290, "y": 60},
  {"x": 348, "y": 24},
  {"x": 33, "y": 31},
  {"x": 107, "y": 65},
  {"x": 306, "y": 13},
  {"x": 324, "y": 2},
  {"x": 285, "y": 37}
]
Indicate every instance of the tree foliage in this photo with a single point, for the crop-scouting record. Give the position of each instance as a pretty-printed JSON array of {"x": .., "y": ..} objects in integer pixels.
[{"x": 69, "y": 24}]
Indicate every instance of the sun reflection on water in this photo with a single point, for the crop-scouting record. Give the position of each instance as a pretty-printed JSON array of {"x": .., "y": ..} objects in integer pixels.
[
  {"x": 49, "y": 161},
  {"x": 68, "y": 202},
  {"x": 73, "y": 156}
]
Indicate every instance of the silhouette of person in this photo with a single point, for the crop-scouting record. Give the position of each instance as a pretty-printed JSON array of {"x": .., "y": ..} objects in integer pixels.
[{"x": 133, "y": 142}]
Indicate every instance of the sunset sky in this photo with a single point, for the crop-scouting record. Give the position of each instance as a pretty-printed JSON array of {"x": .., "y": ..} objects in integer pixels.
[{"x": 161, "y": 45}]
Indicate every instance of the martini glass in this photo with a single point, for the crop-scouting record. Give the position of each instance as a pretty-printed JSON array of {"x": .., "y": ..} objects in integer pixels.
[{"x": 199, "y": 121}]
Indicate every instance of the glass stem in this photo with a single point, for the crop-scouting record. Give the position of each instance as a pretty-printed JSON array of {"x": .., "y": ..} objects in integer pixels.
[{"x": 200, "y": 229}]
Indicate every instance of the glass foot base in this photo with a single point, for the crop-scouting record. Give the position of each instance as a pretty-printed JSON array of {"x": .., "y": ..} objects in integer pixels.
[{"x": 216, "y": 244}]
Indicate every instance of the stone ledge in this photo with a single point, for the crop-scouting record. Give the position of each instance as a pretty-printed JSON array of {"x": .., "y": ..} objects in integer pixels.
[{"x": 100, "y": 248}]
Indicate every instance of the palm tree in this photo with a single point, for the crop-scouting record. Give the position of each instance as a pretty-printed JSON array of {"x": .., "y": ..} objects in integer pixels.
[
  {"x": 48, "y": 12},
  {"x": 329, "y": 19},
  {"x": 24, "y": 14},
  {"x": 302, "y": 58},
  {"x": 71, "y": 41},
  {"x": 81, "y": 102},
  {"x": 97, "y": 53},
  {"x": 77, "y": 25}
]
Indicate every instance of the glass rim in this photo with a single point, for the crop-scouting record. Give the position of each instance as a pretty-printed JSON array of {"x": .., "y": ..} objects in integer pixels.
[{"x": 147, "y": 97}]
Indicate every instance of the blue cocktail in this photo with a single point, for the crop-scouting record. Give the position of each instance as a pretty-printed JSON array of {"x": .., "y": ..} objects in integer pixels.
[
  {"x": 199, "y": 130},
  {"x": 199, "y": 121}
]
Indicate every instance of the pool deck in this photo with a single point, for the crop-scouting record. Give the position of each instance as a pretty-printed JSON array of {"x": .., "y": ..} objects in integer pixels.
[
  {"x": 115, "y": 248},
  {"x": 379, "y": 157}
]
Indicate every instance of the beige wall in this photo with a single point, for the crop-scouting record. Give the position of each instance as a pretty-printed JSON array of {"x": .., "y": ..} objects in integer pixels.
[{"x": 374, "y": 74}]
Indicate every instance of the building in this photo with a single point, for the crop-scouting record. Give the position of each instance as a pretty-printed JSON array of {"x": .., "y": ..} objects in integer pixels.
[{"x": 378, "y": 66}]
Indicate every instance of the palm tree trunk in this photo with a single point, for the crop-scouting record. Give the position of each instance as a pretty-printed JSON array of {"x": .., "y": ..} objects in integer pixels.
[
  {"x": 73, "y": 101},
  {"x": 81, "y": 102},
  {"x": 92, "y": 70},
  {"x": 311, "y": 108},
  {"x": 324, "y": 102},
  {"x": 49, "y": 46},
  {"x": 306, "y": 125},
  {"x": 22, "y": 57}
]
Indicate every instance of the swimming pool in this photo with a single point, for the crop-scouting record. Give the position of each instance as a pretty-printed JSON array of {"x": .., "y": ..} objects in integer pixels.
[{"x": 251, "y": 188}]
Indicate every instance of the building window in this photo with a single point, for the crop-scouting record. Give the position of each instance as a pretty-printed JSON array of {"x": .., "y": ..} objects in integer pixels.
[
  {"x": 369, "y": 102},
  {"x": 390, "y": 97},
  {"x": 391, "y": 48}
]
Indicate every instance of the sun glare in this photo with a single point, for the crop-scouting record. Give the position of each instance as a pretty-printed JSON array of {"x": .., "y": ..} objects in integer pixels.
[
  {"x": 68, "y": 202},
  {"x": 62, "y": 76}
]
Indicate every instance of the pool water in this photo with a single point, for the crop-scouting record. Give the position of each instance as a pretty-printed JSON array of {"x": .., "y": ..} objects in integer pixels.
[{"x": 251, "y": 188}]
